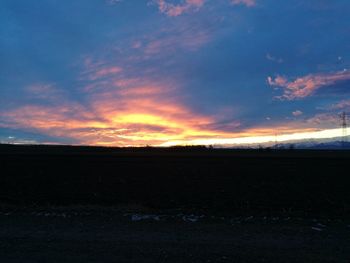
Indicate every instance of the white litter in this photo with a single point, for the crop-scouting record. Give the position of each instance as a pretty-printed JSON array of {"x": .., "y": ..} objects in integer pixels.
[
  {"x": 137, "y": 217},
  {"x": 191, "y": 218}
]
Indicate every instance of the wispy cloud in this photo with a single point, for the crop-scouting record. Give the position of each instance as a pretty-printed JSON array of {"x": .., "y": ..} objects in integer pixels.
[
  {"x": 173, "y": 10},
  {"x": 180, "y": 36},
  {"x": 113, "y": 2},
  {"x": 273, "y": 58},
  {"x": 297, "y": 113},
  {"x": 330, "y": 120},
  {"x": 122, "y": 112},
  {"x": 249, "y": 3},
  {"x": 105, "y": 72},
  {"x": 44, "y": 91},
  {"x": 185, "y": 37},
  {"x": 307, "y": 85},
  {"x": 341, "y": 105},
  {"x": 135, "y": 112},
  {"x": 187, "y": 6}
]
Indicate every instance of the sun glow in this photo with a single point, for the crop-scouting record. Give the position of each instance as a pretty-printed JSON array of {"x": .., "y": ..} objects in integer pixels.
[
  {"x": 144, "y": 119},
  {"x": 324, "y": 134}
]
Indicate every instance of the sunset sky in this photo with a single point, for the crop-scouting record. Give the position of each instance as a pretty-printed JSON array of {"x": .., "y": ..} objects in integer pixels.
[{"x": 167, "y": 72}]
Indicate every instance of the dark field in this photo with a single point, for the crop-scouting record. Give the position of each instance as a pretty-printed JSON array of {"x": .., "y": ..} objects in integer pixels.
[
  {"x": 86, "y": 204},
  {"x": 227, "y": 181}
]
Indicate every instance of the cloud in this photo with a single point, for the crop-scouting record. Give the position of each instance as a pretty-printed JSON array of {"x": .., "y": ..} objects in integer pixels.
[
  {"x": 189, "y": 38},
  {"x": 181, "y": 36},
  {"x": 186, "y": 6},
  {"x": 122, "y": 112},
  {"x": 105, "y": 72},
  {"x": 141, "y": 121},
  {"x": 297, "y": 113},
  {"x": 249, "y": 3},
  {"x": 325, "y": 119},
  {"x": 44, "y": 91},
  {"x": 274, "y": 59},
  {"x": 342, "y": 105},
  {"x": 174, "y": 10},
  {"x": 136, "y": 112},
  {"x": 113, "y": 2},
  {"x": 307, "y": 85}
]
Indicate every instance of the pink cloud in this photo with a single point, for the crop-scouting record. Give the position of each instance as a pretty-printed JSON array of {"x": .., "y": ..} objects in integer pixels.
[
  {"x": 278, "y": 81},
  {"x": 249, "y": 3},
  {"x": 306, "y": 86},
  {"x": 175, "y": 10},
  {"x": 344, "y": 104},
  {"x": 189, "y": 40},
  {"x": 297, "y": 113},
  {"x": 96, "y": 69},
  {"x": 44, "y": 91},
  {"x": 186, "y": 6},
  {"x": 136, "y": 44},
  {"x": 327, "y": 120},
  {"x": 104, "y": 72}
]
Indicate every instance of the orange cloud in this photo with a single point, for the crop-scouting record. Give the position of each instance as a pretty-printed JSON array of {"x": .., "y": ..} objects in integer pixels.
[
  {"x": 121, "y": 111},
  {"x": 305, "y": 86},
  {"x": 124, "y": 112},
  {"x": 97, "y": 70},
  {"x": 148, "y": 119}
]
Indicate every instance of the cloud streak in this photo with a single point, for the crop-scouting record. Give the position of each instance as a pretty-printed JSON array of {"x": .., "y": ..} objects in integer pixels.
[
  {"x": 274, "y": 59},
  {"x": 191, "y": 39},
  {"x": 341, "y": 105},
  {"x": 187, "y": 6},
  {"x": 297, "y": 113},
  {"x": 248, "y": 3},
  {"x": 174, "y": 10},
  {"x": 121, "y": 112},
  {"x": 306, "y": 86}
]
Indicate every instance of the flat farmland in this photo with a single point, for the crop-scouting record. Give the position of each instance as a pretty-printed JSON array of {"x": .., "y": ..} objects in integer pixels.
[
  {"x": 189, "y": 178},
  {"x": 88, "y": 204}
]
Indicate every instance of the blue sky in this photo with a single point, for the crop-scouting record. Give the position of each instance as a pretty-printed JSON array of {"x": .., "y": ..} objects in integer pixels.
[{"x": 159, "y": 72}]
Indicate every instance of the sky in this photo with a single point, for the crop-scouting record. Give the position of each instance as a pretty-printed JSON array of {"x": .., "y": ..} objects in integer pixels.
[{"x": 168, "y": 72}]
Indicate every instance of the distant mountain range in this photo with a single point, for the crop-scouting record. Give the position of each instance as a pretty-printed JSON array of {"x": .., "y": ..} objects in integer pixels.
[
  {"x": 337, "y": 143},
  {"x": 318, "y": 144},
  {"x": 332, "y": 145}
]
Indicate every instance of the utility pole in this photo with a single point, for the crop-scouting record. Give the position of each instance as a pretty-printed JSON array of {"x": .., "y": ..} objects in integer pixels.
[
  {"x": 344, "y": 125},
  {"x": 276, "y": 145}
]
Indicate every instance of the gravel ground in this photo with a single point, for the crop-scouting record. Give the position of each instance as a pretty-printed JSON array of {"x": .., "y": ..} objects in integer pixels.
[{"x": 110, "y": 235}]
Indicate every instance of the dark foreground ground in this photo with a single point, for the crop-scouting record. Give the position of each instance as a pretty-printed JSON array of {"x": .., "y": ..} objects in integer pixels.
[
  {"x": 81, "y": 234},
  {"x": 82, "y": 204}
]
